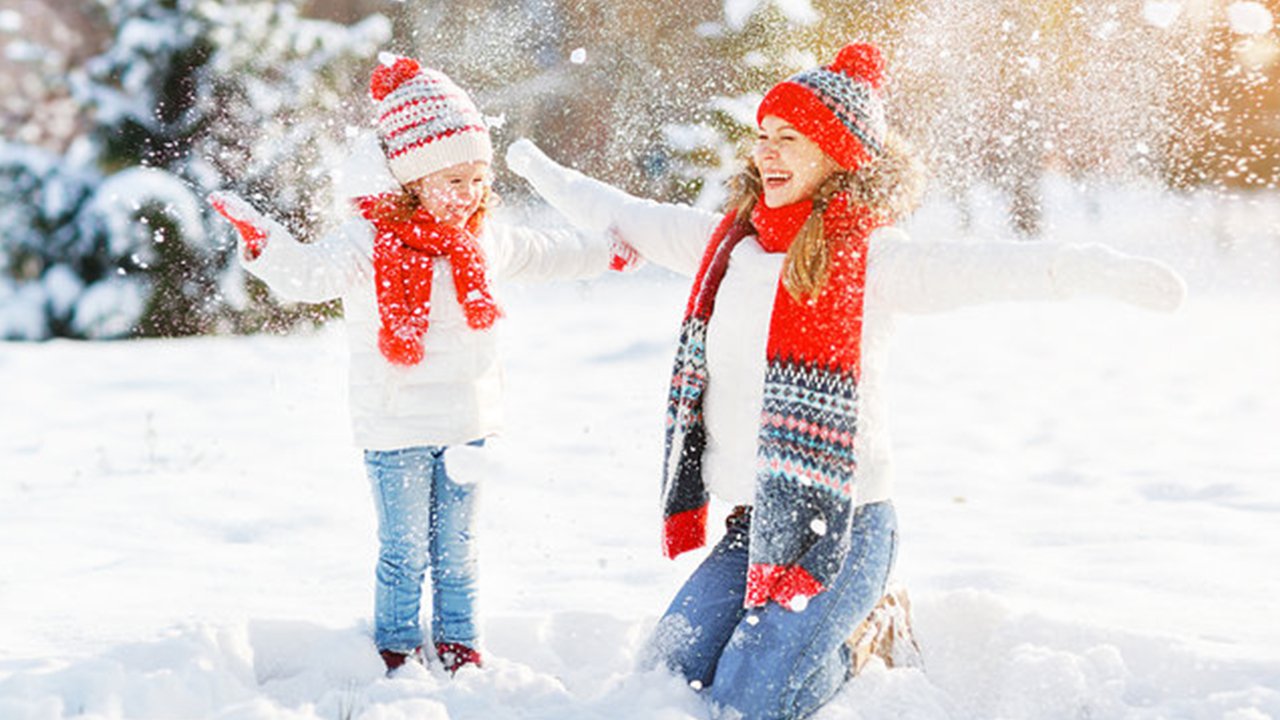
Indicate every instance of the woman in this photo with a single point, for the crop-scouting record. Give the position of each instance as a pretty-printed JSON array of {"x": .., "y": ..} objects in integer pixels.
[{"x": 776, "y": 401}]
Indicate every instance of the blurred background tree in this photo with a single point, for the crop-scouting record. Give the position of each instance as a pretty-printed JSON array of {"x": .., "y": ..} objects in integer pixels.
[
  {"x": 105, "y": 229},
  {"x": 119, "y": 116},
  {"x": 597, "y": 80}
]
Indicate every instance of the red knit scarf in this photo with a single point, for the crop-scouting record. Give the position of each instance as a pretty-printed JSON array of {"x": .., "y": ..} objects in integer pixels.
[
  {"x": 404, "y": 250},
  {"x": 803, "y": 505},
  {"x": 776, "y": 228}
]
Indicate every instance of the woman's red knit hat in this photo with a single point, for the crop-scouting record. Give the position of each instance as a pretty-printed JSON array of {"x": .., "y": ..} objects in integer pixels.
[{"x": 837, "y": 106}]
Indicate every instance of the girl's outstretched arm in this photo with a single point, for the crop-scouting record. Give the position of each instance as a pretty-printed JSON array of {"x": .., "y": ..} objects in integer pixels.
[
  {"x": 938, "y": 276},
  {"x": 673, "y": 236},
  {"x": 312, "y": 272}
]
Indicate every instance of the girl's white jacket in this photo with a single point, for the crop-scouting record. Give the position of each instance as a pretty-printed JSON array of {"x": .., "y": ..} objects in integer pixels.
[
  {"x": 454, "y": 395},
  {"x": 902, "y": 277}
]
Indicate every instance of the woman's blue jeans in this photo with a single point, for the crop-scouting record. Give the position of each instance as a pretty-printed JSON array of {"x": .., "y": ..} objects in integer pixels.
[
  {"x": 424, "y": 521},
  {"x": 770, "y": 663}
]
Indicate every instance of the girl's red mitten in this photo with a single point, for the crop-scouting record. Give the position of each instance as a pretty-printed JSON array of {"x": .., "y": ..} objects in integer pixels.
[{"x": 244, "y": 220}]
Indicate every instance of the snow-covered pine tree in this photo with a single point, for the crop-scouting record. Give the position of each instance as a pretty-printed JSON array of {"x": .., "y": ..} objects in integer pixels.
[
  {"x": 287, "y": 95},
  {"x": 759, "y": 42},
  {"x": 47, "y": 269},
  {"x": 112, "y": 238}
]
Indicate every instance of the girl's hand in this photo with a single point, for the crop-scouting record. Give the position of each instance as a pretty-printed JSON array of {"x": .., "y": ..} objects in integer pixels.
[
  {"x": 248, "y": 222},
  {"x": 1096, "y": 269}
]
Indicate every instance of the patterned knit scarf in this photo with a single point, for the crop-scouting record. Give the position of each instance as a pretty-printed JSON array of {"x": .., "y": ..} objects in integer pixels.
[
  {"x": 403, "y": 253},
  {"x": 803, "y": 508}
]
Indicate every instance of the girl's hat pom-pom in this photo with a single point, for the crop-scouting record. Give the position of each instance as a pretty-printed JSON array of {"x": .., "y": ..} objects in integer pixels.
[{"x": 389, "y": 76}]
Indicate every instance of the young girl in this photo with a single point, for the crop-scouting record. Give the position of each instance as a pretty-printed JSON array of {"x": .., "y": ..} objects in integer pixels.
[
  {"x": 414, "y": 273},
  {"x": 776, "y": 402}
]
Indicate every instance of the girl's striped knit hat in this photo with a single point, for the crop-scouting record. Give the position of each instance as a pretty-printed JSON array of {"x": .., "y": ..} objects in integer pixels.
[
  {"x": 424, "y": 121},
  {"x": 837, "y": 106}
]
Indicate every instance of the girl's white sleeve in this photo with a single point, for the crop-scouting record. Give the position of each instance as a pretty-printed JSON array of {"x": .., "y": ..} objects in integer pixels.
[
  {"x": 937, "y": 276},
  {"x": 529, "y": 255},
  {"x": 673, "y": 236},
  {"x": 318, "y": 271}
]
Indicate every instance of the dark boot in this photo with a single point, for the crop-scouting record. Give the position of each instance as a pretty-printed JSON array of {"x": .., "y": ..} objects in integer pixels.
[{"x": 394, "y": 659}]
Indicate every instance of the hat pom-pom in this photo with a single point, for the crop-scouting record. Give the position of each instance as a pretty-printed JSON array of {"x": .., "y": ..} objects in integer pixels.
[
  {"x": 387, "y": 78},
  {"x": 862, "y": 61}
]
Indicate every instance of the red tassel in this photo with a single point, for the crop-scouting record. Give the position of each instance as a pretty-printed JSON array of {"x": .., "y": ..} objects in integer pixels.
[
  {"x": 797, "y": 583},
  {"x": 781, "y": 583},
  {"x": 760, "y": 582},
  {"x": 481, "y": 312},
  {"x": 401, "y": 348},
  {"x": 685, "y": 531}
]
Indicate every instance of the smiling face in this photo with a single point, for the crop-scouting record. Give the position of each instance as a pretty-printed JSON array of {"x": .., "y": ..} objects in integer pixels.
[
  {"x": 791, "y": 165},
  {"x": 453, "y": 195}
]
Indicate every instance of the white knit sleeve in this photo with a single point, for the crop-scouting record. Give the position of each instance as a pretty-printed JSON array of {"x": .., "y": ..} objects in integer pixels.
[
  {"x": 318, "y": 271},
  {"x": 673, "y": 236},
  {"x": 929, "y": 277},
  {"x": 533, "y": 255}
]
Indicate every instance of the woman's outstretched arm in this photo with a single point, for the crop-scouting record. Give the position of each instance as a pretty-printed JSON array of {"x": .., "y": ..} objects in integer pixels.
[
  {"x": 673, "y": 236},
  {"x": 924, "y": 277}
]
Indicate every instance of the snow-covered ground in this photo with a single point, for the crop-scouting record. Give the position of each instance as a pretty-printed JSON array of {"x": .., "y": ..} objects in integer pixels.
[{"x": 1089, "y": 496}]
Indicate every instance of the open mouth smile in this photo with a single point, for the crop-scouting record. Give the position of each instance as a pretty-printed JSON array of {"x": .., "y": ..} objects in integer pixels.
[{"x": 775, "y": 179}]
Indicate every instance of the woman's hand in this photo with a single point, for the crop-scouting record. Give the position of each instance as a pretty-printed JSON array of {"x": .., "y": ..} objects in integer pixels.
[
  {"x": 523, "y": 156},
  {"x": 1096, "y": 269},
  {"x": 250, "y": 223}
]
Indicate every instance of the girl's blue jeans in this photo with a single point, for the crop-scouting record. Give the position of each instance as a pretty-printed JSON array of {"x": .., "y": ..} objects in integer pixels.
[
  {"x": 424, "y": 521},
  {"x": 770, "y": 663}
]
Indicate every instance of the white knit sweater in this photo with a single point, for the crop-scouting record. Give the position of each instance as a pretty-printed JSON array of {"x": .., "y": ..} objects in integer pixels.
[
  {"x": 902, "y": 277},
  {"x": 454, "y": 395}
]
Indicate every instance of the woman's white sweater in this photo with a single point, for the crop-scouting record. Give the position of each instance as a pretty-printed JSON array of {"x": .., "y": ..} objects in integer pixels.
[{"x": 902, "y": 277}]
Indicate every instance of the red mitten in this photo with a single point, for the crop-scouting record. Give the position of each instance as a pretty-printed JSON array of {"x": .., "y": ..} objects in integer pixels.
[
  {"x": 402, "y": 346},
  {"x": 245, "y": 220},
  {"x": 623, "y": 257}
]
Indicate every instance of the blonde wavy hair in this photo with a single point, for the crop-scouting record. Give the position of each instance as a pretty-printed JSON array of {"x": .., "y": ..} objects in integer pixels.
[
  {"x": 404, "y": 202},
  {"x": 890, "y": 185}
]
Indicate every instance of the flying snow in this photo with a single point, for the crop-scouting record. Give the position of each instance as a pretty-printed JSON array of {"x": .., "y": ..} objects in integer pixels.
[
  {"x": 800, "y": 12},
  {"x": 738, "y": 12},
  {"x": 10, "y": 21},
  {"x": 1161, "y": 13},
  {"x": 119, "y": 198},
  {"x": 1250, "y": 18}
]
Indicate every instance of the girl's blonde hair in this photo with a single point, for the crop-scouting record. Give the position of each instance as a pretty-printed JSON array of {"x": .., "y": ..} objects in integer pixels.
[
  {"x": 889, "y": 185},
  {"x": 403, "y": 203}
]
